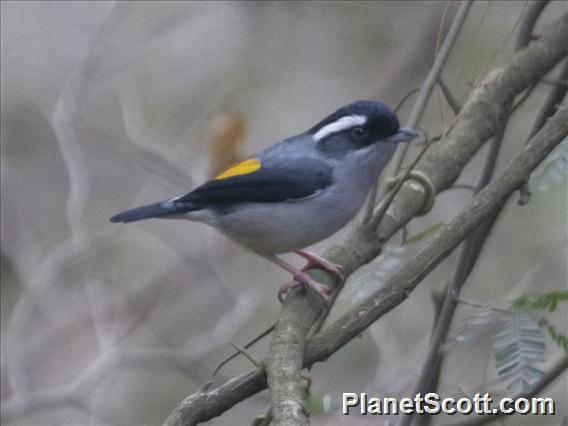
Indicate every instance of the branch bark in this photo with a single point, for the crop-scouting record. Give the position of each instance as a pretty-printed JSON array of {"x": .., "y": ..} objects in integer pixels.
[
  {"x": 443, "y": 163},
  {"x": 468, "y": 253},
  {"x": 491, "y": 198},
  {"x": 470, "y": 249},
  {"x": 284, "y": 362}
]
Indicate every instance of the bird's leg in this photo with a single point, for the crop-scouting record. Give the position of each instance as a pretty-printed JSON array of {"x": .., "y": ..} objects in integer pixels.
[
  {"x": 315, "y": 261},
  {"x": 300, "y": 277}
]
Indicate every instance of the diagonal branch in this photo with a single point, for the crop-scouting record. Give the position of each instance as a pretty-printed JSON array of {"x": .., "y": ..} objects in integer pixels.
[
  {"x": 430, "y": 82},
  {"x": 490, "y": 199},
  {"x": 284, "y": 362},
  {"x": 529, "y": 21},
  {"x": 468, "y": 253},
  {"x": 470, "y": 249}
]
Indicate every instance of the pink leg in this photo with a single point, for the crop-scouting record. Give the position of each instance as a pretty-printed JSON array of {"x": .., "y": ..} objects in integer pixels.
[
  {"x": 299, "y": 276},
  {"x": 315, "y": 261}
]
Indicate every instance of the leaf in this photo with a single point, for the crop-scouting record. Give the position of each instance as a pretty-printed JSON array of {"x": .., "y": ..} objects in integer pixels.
[
  {"x": 317, "y": 402},
  {"x": 545, "y": 301},
  {"x": 559, "y": 338},
  {"x": 553, "y": 169},
  {"x": 518, "y": 345},
  {"x": 472, "y": 325}
]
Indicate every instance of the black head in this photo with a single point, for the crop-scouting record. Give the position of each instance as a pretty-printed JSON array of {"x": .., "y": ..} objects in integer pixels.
[{"x": 358, "y": 125}]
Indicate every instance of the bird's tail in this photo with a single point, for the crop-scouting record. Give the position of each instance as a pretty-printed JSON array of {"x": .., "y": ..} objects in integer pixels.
[{"x": 156, "y": 210}]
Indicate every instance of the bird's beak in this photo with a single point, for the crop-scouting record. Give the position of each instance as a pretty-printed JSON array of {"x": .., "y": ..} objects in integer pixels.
[{"x": 404, "y": 134}]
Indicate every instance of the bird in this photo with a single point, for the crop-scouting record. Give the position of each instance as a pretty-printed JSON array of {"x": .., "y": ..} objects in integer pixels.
[{"x": 295, "y": 193}]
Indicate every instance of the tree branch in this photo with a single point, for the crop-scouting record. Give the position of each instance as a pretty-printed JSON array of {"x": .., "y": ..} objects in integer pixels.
[
  {"x": 470, "y": 249},
  {"x": 491, "y": 198},
  {"x": 554, "y": 98},
  {"x": 526, "y": 27},
  {"x": 430, "y": 83},
  {"x": 443, "y": 163},
  {"x": 468, "y": 253},
  {"x": 284, "y": 363}
]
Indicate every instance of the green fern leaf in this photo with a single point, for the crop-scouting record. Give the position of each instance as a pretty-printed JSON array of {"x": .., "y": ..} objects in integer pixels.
[{"x": 548, "y": 301}]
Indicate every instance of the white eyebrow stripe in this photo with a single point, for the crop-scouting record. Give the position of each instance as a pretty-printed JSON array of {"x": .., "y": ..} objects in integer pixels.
[{"x": 339, "y": 125}]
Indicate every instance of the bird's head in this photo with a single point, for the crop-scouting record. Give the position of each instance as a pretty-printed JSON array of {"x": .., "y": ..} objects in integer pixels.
[{"x": 359, "y": 125}]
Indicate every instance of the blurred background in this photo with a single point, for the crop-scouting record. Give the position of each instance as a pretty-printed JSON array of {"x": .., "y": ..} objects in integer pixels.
[{"x": 110, "y": 105}]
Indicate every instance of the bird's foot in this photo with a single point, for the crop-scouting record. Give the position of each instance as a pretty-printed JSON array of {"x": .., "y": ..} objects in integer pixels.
[
  {"x": 301, "y": 278},
  {"x": 315, "y": 261}
]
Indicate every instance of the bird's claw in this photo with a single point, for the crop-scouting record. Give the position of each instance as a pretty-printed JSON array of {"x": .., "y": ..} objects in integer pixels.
[
  {"x": 315, "y": 261},
  {"x": 321, "y": 290}
]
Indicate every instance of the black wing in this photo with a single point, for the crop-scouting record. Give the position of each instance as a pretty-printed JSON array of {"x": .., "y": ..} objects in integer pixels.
[{"x": 271, "y": 183}]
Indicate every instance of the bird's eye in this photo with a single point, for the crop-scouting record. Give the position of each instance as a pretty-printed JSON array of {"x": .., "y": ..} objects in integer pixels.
[{"x": 359, "y": 133}]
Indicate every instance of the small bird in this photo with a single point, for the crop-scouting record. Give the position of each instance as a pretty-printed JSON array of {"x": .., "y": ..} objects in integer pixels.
[{"x": 296, "y": 192}]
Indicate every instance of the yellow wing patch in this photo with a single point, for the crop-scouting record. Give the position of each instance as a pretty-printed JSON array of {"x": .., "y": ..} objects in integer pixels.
[{"x": 243, "y": 168}]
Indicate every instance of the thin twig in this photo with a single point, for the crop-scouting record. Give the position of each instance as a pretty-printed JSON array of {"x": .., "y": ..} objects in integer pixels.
[
  {"x": 396, "y": 163},
  {"x": 428, "y": 85},
  {"x": 372, "y": 199},
  {"x": 247, "y": 355},
  {"x": 525, "y": 36},
  {"x": 471, "y": 43},
  {"x": 450, "y": 98},
  {"x": 526, "y": 27},
  {"x": 405, "y": 98},
  {"x": 387, "y": 200},
  {"x": 483, "y": 69},
  {"x": 552, "y": 100},
  {"x": 468, "y": 253},
  {"x": 481, "y": 305},
  {"x": 438, "y": 42},
  {"x": 248, "y": 345}
]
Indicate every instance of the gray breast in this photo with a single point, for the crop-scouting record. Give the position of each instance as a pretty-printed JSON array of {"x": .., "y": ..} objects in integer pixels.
[
  {"x": 281, "y": 227},
  {"x": 272, "y": 228}
]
